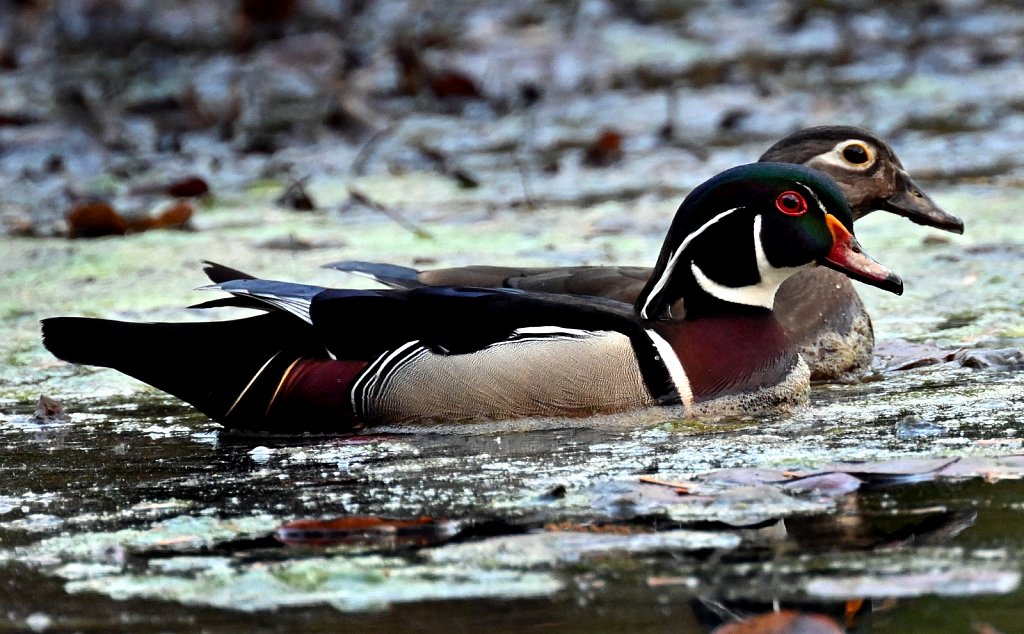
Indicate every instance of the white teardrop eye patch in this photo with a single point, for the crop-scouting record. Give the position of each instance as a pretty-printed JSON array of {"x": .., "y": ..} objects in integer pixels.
[
  {"x": 851, "y": 155},
  {"x": 791, "y": 203}
]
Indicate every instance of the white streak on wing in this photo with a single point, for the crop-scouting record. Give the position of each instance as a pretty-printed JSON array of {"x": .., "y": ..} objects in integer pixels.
[
  {"x": 762, "y": 293},
  {"x": 544, "y": 333},
  {"x": 674, "y": 367},
  {"x": 293, "y": 305},
  {"x": 297, "y": 307},
  {"x": 251, "y": 381},
  {"x": 366, "y": 275},
  {"x": 667, "y": 273},
  {"x": 382, "y": 370},
  {"x": 550, "y": 330}
]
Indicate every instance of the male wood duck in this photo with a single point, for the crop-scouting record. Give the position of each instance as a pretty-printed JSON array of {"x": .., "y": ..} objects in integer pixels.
[
  {"x": 819, "y": 308},
  {"x": 337, "y": 359}
]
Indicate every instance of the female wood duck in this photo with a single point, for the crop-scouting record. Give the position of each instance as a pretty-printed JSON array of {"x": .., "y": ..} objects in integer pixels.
[
  {"x": 819, "y": 308},
  {"x": 334, "y": 360}
]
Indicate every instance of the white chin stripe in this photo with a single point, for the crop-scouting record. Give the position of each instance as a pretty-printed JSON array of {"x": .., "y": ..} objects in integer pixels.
[
  {"x": 762, "y": 293},
  {"x": 674, "y": 367}
]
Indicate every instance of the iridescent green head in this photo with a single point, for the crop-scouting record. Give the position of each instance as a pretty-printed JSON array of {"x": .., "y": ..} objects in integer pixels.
[{"x": 739, "y": 235}]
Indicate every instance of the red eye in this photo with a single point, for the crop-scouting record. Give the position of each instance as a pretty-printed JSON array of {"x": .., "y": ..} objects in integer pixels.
[{"x": 791, "y": 204}]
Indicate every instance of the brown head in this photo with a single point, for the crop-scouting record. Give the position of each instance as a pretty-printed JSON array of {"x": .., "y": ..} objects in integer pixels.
[{"x": 866, "y": 169}]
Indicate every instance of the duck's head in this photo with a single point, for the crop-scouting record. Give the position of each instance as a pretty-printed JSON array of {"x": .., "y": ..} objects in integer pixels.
[
  {"x": 739, "y": 235},
  {"x": 866, "y": 169}
]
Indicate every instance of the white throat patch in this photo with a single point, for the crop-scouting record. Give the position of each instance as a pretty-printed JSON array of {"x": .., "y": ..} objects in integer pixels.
[{"x": 760, "y": 294}]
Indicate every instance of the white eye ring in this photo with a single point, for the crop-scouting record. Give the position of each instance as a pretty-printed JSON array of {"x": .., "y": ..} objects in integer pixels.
[
  {"x": 836, "y": 157},
  {"x": 846, "y": 148}
]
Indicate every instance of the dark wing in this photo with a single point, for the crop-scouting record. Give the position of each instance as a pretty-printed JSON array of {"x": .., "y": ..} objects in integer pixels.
[
  {"x": 219, "y": 273},
  {"x": 361, "y": 324},
  {"x": 620, "y": 283},
  {"x": 460, "y": 320}
]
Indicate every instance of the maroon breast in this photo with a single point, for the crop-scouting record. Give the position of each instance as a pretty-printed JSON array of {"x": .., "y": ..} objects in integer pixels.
[
  {"x": 314, "y": 395},
  {"x": 730, "y": 355}
]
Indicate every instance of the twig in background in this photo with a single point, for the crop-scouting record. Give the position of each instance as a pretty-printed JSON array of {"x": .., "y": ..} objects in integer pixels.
[
  {"x": 524, "y": 177},
  {"x": 531, "y": 95},
  {"x": 366, "y": 152},
  {"x": 439, "y": 159},
  {"x": 296, "y": 197},
  {"x": 359, "y": 197},
  {"x": 667, "y": 131}
]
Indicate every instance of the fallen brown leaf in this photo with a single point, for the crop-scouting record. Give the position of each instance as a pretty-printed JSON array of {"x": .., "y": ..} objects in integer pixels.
[
  {"x": 188, "y": 187},
  {"x": 605, "y": 149},
  {"x": 784, "y": 622},
  {"x": 93, "y": 219}
]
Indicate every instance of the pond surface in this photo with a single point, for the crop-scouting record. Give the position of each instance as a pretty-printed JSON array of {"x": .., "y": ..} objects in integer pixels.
[{"x": 891, "y": 503}]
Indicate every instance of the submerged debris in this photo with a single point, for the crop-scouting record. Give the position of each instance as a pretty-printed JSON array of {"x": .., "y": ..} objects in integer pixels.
[
  {"x": 418, "y": 75},
  {"x": 188, "y": 187},
  {"x": 911, "y": 426},
  {"x": 49, "y": 410},
  {"x": 360, "y": 198},
  {"x": 901, "y": 355},
  {"x": 460, "y": 175}
]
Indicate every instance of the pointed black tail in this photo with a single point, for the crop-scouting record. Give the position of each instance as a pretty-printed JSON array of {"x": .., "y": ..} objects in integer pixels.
[{"x": 227, "y": 369}]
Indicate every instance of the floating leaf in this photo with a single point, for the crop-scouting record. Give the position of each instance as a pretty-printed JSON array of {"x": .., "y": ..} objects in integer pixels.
[{"x": 366, "y": 530}]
